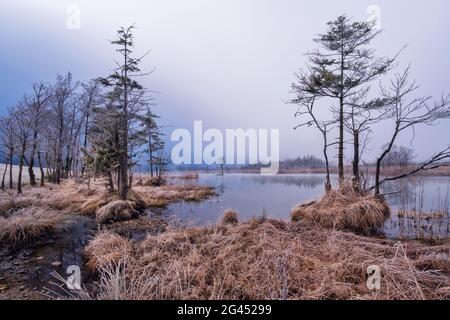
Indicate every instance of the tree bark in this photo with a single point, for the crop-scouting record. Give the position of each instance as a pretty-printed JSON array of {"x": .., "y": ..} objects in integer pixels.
[
  {"x": 130, "y": 180},
  {"x": 59, "y": 149},
  {"x": 150, "y": 153},
  {"x": 327, "y": 164},
  {"x": 123, "y": 162},
  {"x": 380, "y": 160},
  {"x": 4, "y": 174},
  {"x": 19, "y": 178},
  {"x": 10, "y": 170},
  {"x": 41, "y": 169},
  {"x": 341, "y": 122},
  {"x": 31, "y": 162},
  {"x": 110, "y": 180},
  {"x": 356, "y": 177},
  {"x": 86, "y": 127}
]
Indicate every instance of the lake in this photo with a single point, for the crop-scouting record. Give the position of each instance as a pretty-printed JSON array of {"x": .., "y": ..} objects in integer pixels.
[{"x": 425, "y": 200}]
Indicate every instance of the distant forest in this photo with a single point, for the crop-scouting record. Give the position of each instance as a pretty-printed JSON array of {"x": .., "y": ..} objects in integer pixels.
[{"x": 303, "y": 162}]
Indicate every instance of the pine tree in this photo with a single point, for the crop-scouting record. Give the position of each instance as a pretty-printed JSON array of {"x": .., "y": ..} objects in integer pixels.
[
  {"x": 125, "y": 87},
  {"x": 341, "y": 68}
]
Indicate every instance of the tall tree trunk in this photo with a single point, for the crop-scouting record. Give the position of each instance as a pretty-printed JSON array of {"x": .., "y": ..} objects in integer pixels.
[
  {"x": 377, "y": 177},
  {"x": 59, "y": 149},
  {"x": 341, "y": 141},
  {"x": 10, "y": 170},
  {"x": 341, "y": 122},
  {"x": 380, "y": 160},
  {"x": 4, "y": 174},
  {"x": 67, "y": 163},
  {"x": 123, "y": 162},
  {"x": 86, "y": 127},
  {"x": 151, "y": 161},
  {"x": 31, "y": 162},
  {"x": 110, "y": 181},
  {"x": 150, "y": 152},
  {"x": 41, "y": 169},
  {"x": 327, "y": 163},
  {"x": 19, "y": 178},
  {"x": 130, "y": 179},
  {"x": 356, "y": 178}
]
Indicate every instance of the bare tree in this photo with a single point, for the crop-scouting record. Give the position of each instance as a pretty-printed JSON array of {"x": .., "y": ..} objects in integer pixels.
[
  {"x": 62, "y": 98},
  {"x": 306, "y": 107},
  {"x": 153, "y": 137},
  {"x": 90, "y": 98},
  {"x": 75, "y": 121},
  {"x": 8, "y": 145},
  {"x": 407, "y": 113},
  {"x": 399, "y": 156},
  {"x": 22, "y": 135},
  {"x": 359, "y": 118},
  {"x": 36, "y": 105}
]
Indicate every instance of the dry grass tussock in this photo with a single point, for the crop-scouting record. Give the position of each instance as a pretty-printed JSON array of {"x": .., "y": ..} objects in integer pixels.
[
  {"x": 36, "y": 213},
  {"x": 344, "y": 210},
  {"x": 140, "y": 227},
  {"x": 265, "y": 260},
  {"x": 117, "y": 210},
  {"x": 105, "y": 249},
  {"x": 230, "y": 217},
  {"x": 150, "y": 182},
  {"x": 162, "y": 196},
  {"x": 107, "y": 207},
  {"x": 28, "y": 225},
  {"x": 67, "y": 196}
]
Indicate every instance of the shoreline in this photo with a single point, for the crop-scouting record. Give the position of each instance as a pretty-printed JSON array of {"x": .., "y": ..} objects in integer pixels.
[{"x": 150, "y": 241}]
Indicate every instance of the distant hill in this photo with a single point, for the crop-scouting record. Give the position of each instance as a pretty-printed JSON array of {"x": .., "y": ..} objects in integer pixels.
[{"x": 304, "y": 162}]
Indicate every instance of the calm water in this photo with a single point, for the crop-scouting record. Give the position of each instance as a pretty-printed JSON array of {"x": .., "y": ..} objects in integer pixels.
[{"x": 254, "y": 195}]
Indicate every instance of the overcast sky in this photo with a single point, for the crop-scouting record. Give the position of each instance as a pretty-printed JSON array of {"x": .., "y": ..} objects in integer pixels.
[{"x": 229, "y": 63}]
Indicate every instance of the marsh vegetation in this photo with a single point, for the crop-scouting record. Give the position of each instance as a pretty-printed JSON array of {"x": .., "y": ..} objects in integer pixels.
[{"x": 161, "y": 235}]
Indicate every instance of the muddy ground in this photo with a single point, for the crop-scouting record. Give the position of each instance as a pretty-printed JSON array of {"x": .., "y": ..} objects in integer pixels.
[{"x": 28, "y": 272}]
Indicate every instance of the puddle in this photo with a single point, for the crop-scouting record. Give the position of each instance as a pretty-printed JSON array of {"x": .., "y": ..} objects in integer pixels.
[{"x": 28, "y": 272}]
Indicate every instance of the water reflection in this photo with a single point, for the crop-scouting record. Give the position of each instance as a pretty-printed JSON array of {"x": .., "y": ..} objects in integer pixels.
[
  {"x": 307, "y": 182},
  {"x": 420, "y": 206}
]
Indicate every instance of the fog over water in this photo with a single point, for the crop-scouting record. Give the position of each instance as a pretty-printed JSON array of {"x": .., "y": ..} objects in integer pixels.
[{"x": 227, "y": 63}]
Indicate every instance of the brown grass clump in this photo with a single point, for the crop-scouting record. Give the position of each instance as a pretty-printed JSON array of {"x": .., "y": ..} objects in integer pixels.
[
  {"x": 116, "y": 211},
  {"x": 91, "y": 205},
  {"x": 153, "y": 182},
  {"x": 106, "y": 249},
  {"x": 344, "y": 210},
  {"x": 64, "y": 197},
  {"x": 138, "y": 228},
  {"x": 108, "y": 207},
  {"x": 28, "y": 225},
  {"x": 84, "y": 190},
  {"x": 434, "y": 261},
  {"x": 230, "y": 217},
  {"x": 137, "y": 200},
  {"x": 298, "y": 210},
  {"x": 269, "y": 260},
  {"x": 6, "y": 205}
]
